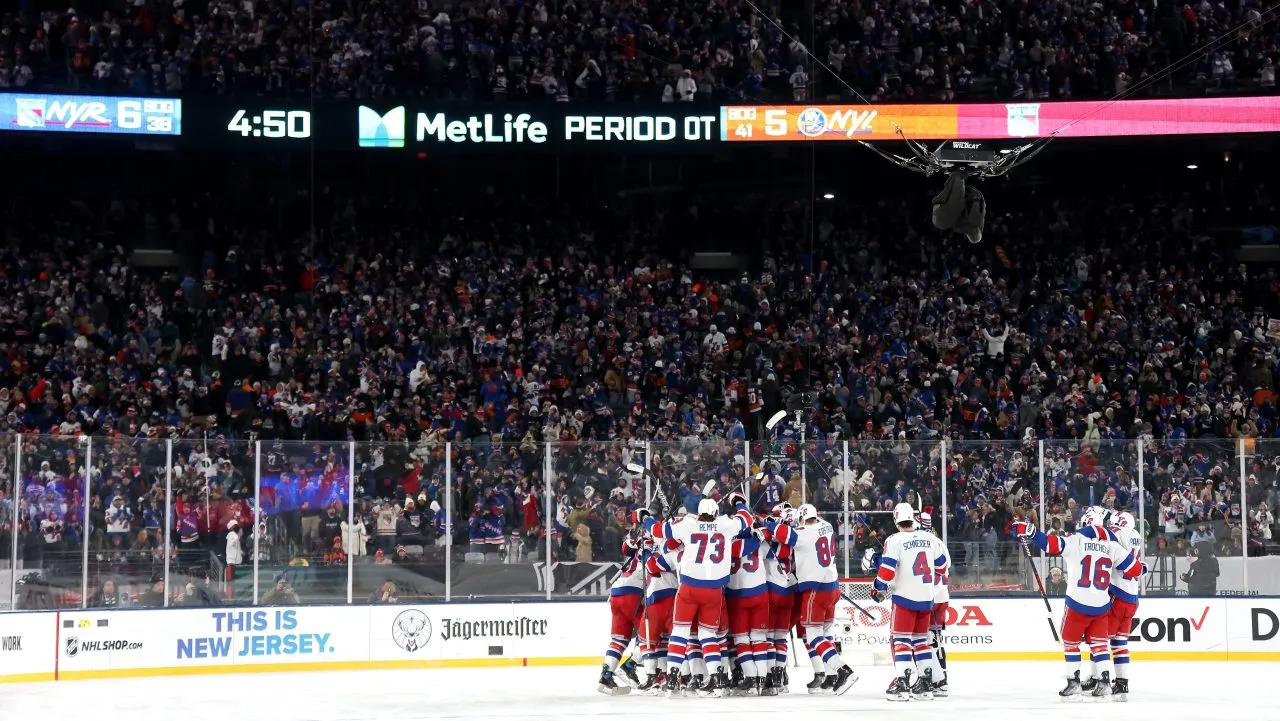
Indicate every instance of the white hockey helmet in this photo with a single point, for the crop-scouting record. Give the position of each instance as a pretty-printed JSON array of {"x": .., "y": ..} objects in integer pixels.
[
  {"x": 788, "y": 516},
  {"x": 904, "y": 513},
  {"x": 806, "y": 511},
  {"x": 1089, "y": 517},
  {"x": 708, "y": 507},
  {"x": 1123, "y": 519}
]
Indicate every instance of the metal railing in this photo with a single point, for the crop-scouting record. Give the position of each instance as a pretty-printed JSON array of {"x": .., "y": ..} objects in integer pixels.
[{"x": 93, "y": 522}]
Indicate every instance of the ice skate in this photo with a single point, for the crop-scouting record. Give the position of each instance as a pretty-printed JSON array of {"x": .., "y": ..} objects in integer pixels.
[
  {"x": 940, "y": 689},
  {"x": 1073, "y": 690},
  {"x": 672, "y": 688},
  {"x": 717, "y": 686},
  {"x": 845, "y": 678},
  {"x": 900, "y": 688},
  {"x": 609, "y": 687},
  {"x": 772, "y": 683},
  {"x": 815, "y": 686},
  {"x": 1102, "y": 689},
  {"x": 1120, "y": 690},
  {"x": 629, "y": 670},
  {"x": 922, "y": 689},
  {"x": 652, "y": 684}
]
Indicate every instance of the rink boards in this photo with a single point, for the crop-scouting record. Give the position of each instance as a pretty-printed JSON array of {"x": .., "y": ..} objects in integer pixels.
[{"x": 70, "y": 645}]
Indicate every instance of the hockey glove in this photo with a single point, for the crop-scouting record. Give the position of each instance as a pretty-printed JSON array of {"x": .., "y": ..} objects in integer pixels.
[
  {"x": 877, "y": 595},
  {"x": 736, "y": 499},
  {"x": 1023, "y": 529}
]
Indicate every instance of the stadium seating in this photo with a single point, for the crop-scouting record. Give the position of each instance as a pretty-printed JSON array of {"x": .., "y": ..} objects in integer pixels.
[{"x": 668, "y": 50}]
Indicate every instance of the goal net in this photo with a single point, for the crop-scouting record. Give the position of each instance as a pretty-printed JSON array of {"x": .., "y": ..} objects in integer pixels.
[{"x": 862, "y": 629}]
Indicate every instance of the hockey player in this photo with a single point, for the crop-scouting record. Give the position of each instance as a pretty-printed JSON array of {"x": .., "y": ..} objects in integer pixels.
[
  {"x": 938, "y": 617},
  {"x": 1124, "y": 602},
  {"x": 704, "y": 573},
  {"x": 748, "y": 597},
  {"x": 1091, "y": 556},
  {"x": 911, "y": 560},
  {"x": 781, "y": 582},
  {"x": 626, "y": 603},
  {"x": 659, "y": 605},
  {"x": 813, "y": 543}
]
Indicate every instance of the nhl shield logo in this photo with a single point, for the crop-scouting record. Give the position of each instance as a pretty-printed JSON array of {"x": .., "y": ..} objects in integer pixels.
[
  {"x": 72, "y": 647},
  {"x": 411, "y": 630},
  {"x": 1023, "y": 120}
]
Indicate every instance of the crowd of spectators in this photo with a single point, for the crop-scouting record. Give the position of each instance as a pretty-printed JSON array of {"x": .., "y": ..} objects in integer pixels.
[
  {"x": 672, "y": 50},
  {"x": 277, "y": 364}
]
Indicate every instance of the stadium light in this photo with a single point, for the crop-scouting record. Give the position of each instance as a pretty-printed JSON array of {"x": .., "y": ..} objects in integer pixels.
[
  {"x": 828, "y": 196},
  {"x": 1193, "y": 166}
]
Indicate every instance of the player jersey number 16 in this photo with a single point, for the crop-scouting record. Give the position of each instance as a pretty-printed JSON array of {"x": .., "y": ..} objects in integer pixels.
[
  {"x": 1101, "y": 576},
  {"x": 716, "y": 541}
]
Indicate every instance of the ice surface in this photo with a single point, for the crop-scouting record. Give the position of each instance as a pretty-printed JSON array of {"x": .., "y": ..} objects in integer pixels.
[{"x": 980, "y": 692}]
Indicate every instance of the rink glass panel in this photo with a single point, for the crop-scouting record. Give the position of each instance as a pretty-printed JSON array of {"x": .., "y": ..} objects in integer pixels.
[
  {"x": 8, "y": 508},
  {"x": 593, "y": 494},
  {"x": 126, "y": 553},
  {"x": 499, "y": 507},
  {"x": 392, "y": 542},
  {"x": 51, "y": 522},
  {"x": 1262, "y": 495},
  {"x": 989, "y": 484},
  {"x": 212, "y": 483},
  {"x": 1172, "y": 486},
  {"x": 304, "y": 489},
  {"x": 901, "y": 472}
]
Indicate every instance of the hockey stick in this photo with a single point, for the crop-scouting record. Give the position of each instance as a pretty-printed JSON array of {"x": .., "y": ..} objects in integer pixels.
[
  {"x": 854, "y": 603},
  {"x": 1026, "y": 549}
]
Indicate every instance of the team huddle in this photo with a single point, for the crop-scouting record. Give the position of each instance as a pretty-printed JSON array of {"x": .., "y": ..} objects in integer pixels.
[{"x": 712, "y": 601}]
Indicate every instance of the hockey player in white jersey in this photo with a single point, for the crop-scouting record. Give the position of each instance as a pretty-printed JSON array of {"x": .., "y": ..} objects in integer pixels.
[
  {"x": 938, "y": 617},
  {"x": 748, "y": 601},
  {"x": 1090, "y": 557},
  {"x": 626, "y": 605},
  {"x": 660, "y": 597},
  {"x": 813, "y": 547},
  {"x": 704, "y": 574},
  {"x": 911, "y": 561},
  {"x": 1124, "y": 602},
  {"x": 781, "y": 579}
]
